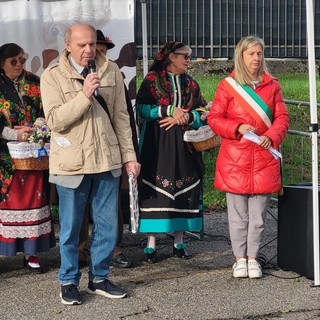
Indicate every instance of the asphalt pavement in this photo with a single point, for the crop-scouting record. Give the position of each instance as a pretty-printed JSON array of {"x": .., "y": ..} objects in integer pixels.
[{"x": 200, "y": 288}]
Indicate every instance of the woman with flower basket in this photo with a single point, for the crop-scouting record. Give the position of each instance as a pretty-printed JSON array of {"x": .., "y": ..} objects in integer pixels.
[
  {"x": 171, "y": 169},
  {"x": 25, "y": 219}
]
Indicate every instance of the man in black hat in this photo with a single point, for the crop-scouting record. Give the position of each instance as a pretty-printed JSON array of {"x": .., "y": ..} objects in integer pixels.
[
  {"x": 103, "y": 43},
  {"x": 119, "y": 259}
]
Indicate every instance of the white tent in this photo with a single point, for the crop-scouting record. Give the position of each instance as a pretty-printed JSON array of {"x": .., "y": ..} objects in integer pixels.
[
  {"x": 38, "y": 27},
  {"x": 314, "y": 135},
  {"x": 144, "y": 36}
]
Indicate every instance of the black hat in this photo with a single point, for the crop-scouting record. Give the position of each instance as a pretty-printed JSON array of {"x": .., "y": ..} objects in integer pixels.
[{"x": 101, "y": 39}]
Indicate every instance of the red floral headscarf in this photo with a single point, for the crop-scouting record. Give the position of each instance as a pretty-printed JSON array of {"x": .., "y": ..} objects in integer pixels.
[{"x": 163, "y": 54}]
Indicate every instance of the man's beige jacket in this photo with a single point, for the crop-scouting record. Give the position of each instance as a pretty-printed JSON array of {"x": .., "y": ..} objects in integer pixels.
[{"x": 83, "y": 140}]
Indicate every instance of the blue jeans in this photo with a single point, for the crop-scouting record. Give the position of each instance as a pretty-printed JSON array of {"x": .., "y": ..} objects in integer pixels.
[{"x": 101, "y": 190}]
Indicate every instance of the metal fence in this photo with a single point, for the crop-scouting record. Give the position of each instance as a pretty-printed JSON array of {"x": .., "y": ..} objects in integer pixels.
[
  {"x": 297, "y": 147},
  {"x": 212, "y": 27}
]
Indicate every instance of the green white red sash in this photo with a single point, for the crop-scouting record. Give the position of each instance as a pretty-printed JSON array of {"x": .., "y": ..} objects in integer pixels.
[{"x": 251, "y": 101}]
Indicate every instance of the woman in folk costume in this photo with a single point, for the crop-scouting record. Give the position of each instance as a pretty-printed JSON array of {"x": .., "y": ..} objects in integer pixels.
[
  {"x": 25, "y": 219},
  {"x": 171, "y": 170},
  {"x": 249, "y": 100}
]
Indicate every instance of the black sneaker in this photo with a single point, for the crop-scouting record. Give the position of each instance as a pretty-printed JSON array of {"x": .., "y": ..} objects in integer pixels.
[
  {"x": 70, "y": 294},
  {"x": 107, "y": 289}
]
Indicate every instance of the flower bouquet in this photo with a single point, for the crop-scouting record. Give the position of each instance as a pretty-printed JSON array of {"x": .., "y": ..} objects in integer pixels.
[{"x": 34, "y": 154}]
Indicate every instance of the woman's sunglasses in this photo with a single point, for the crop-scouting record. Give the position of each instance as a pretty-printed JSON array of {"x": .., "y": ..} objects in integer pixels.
[
  {"x": 14, "y": 62},
  {"x": 186, "y": 56}
]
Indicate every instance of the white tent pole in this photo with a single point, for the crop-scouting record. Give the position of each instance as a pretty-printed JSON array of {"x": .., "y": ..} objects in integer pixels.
[
  {"x": 144, "y": 36},
  {"x": 314, "y": 134}
]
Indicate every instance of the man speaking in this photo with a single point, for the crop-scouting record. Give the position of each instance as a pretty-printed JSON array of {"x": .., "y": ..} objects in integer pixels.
[{"x": 90, "y": 142}]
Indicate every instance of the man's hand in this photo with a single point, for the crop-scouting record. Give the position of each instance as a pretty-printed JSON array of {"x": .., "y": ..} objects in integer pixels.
[
  {"x": 134, "y": 167},
  {"x": 90, "y": 84}
]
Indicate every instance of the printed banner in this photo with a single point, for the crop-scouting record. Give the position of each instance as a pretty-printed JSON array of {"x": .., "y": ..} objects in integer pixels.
[{"x": 38, "y": 27}]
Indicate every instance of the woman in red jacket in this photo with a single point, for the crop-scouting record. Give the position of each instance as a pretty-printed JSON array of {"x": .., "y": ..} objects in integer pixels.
[{"x": 249, "y": 113}]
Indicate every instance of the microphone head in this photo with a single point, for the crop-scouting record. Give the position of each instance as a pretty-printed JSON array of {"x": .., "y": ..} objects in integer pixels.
[{"x": 92, "y": 66}]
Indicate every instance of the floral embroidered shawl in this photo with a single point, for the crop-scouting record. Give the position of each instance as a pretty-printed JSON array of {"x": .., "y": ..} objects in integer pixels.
[
  {"x": 13, "y": 112},
  {"x": 156, "y": 89}
]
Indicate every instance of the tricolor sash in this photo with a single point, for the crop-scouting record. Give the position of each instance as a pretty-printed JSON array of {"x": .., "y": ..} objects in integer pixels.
[{"x": 251, "y": 101}]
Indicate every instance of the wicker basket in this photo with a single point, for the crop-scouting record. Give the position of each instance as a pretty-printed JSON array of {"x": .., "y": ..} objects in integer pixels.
[
  {"x": 210, "y": 143},
  {"x": 25, "y": 156},
  {"x": 202, "y": 139},
  {"x": 32, "y": 163}
]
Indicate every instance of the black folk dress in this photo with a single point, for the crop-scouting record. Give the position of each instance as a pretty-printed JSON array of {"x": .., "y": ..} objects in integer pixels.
[{"x": 170, "y": 192}]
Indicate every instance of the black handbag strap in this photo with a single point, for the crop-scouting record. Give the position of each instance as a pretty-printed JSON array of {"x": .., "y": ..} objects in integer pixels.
[{"x": 103, "y": 104}]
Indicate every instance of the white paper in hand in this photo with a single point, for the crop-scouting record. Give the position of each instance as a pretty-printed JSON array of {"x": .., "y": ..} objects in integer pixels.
[
  {"x": 249, "y": 135},
  {"x": 133, "y": 203}
]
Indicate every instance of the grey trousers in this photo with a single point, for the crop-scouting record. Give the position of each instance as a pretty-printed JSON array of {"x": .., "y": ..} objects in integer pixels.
[{"x": 246, "y": 216}]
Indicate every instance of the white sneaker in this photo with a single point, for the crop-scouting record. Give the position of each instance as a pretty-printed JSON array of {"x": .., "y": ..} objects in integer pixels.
[
  {"x": 254, "y": 269},
  {"x": 240, "y": 269}
]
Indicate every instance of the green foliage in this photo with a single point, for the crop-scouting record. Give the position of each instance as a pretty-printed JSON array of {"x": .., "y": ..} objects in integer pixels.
[{"x": 295, "y": 86}]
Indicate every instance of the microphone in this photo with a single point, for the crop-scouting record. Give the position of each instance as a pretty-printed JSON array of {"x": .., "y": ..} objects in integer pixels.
[{"x": 92, "y": 68}]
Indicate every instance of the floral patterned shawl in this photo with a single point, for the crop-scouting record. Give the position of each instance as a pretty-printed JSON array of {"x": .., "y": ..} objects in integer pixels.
[
  {"x": 156, "y": 90},
  {"x": 15, "y": 112}
]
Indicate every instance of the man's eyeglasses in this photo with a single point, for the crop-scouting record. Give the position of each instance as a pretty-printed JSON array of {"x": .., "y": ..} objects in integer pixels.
[
  {"x": 185, "y": 55},
  {"x": 14, "y": 62}
]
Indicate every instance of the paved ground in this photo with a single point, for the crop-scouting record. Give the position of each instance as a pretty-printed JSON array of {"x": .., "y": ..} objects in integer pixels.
[{"x": 201, "y": 288}]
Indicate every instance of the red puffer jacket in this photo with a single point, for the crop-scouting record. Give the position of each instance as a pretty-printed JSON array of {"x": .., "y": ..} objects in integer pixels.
[{"x": 243, "y": 167}]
